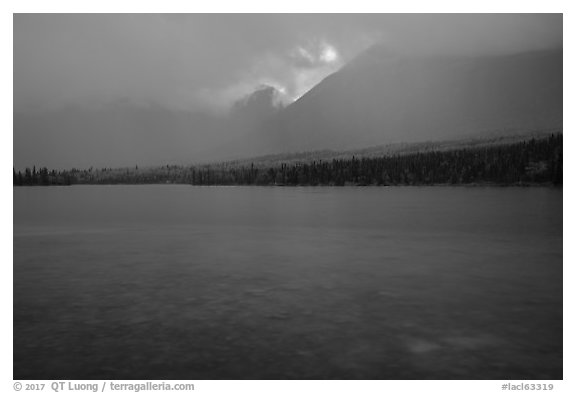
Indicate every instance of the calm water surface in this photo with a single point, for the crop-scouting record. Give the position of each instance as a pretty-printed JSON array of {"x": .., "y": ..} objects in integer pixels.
[{"x": 182, "y": 282}]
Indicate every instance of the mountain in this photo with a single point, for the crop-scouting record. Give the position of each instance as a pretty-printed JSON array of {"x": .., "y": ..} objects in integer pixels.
[
  {"x": 379, "y": 98},
  {"x": 123, "y": 133},
  {"x": 484, "y": 140},
  {"x": 113, "y": 134},
  {"x": 384, "y": 97},
  {"x": 258, "y": 106}
]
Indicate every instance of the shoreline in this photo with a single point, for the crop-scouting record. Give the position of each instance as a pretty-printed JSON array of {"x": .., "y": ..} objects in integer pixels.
[{"x": 491, "y": 185}]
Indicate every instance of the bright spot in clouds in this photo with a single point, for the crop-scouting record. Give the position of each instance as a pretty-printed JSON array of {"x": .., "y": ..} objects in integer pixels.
[
  {"x": 313, "y": 54},
  {"x": 315, "y": 62},
  {"x": 329, "y": 54},
  {"x": 292, "y": 73}
]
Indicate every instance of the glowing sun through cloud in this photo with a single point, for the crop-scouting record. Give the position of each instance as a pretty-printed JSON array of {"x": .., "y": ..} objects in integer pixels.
[
  {"x": 329, "y": 54},
  {"x": 291, "y": 73},
  {"x": 317, "y": 61}
]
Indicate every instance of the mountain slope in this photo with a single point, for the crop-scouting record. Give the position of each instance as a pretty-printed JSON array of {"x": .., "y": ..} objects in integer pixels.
[{"x": 384, "y": 97}]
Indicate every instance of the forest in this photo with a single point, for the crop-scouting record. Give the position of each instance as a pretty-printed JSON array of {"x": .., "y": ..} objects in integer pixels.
[{"x": 530, "y": 162}]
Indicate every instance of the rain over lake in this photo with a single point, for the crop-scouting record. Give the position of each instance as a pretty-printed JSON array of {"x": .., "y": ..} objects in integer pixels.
[{"x": 188, "y": 282}]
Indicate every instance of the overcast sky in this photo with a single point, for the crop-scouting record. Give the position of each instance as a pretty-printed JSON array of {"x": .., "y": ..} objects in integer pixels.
[
  {"x": 150, "y": 89},
  {"x": 196, "y": 62}
]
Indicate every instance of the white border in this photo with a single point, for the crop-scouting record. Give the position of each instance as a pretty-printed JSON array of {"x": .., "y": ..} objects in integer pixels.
[{"x": 421, "y": 6}]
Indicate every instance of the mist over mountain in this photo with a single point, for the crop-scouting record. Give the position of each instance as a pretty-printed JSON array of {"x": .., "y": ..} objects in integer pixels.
[
  {"x": 250, "y": 114},
  {"x": 116, "y": 90},
  {"x": 386, "y": 97},
  {"x": 114, "y": 134},
  {"x": 260, "y": 105},
  {"x": 124, "y": 133},
  {"x": 380, "y": 97},
  {"x": 246, "y": 124}
]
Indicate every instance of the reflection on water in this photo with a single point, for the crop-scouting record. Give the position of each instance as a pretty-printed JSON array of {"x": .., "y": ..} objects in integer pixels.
[{"x": 180, "y": 282}]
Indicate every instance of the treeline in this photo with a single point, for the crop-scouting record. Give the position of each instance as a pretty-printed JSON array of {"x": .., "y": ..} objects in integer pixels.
[
  {"x": 42, "y": 177},
  {"x": 536, "y": 161}
]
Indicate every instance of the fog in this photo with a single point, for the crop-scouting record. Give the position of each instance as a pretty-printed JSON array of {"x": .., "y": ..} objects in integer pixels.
[{"x": 113, "y": 90}]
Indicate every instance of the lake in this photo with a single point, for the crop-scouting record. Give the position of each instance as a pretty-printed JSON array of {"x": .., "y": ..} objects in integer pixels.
[{"x": 188, "y": 282}]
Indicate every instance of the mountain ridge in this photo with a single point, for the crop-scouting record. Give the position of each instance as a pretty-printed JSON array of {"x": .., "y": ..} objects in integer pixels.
[{"x": 399, "y": 98}]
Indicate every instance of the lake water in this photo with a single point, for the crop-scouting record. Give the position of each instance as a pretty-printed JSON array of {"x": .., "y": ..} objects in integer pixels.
[{"x": 183, "y": 282}]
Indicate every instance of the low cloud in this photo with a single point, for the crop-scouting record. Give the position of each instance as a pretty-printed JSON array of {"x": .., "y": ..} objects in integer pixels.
[
  {"x": 177, "y": 60},
  {"x": 69, "y": 67}
]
